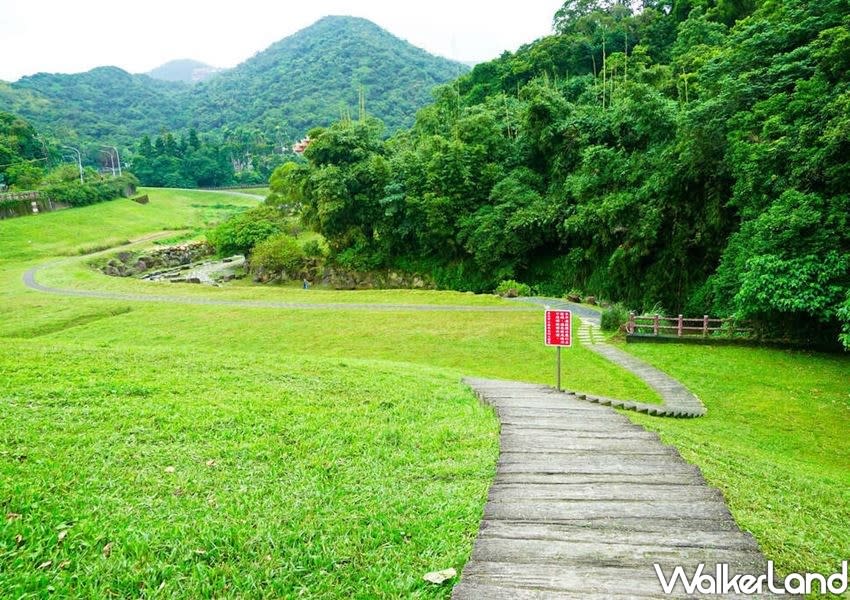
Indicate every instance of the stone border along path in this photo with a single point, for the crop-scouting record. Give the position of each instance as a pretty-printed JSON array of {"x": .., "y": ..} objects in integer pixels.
[
  {"x": 585, "y": 502},
  {"x": 678, "y": 400}
]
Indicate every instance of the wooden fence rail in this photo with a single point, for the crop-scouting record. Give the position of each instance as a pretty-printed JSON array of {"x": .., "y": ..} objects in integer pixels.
[{"x": 656, "y": 325}]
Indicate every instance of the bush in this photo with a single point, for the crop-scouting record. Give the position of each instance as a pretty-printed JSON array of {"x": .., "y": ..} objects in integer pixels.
[
  {"x": 278, "y": 254},
  {"x": 574, "y": 295},
  {"x": 614, "y": 317},
  {"x": 314, "y": 249},
  {"x": 75, "y": 193},
  {"x": 240, "y": 234},
  {"x": 508, "y": 288}
]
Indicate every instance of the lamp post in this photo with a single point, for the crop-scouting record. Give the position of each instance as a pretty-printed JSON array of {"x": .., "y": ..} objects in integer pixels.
[
  {"x": 79, "y": 160},
  {"x": 111, "y": 160},
  {"x": 117, "y": 159}
]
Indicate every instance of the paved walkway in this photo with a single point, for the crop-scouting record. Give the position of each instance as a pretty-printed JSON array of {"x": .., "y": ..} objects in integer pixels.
[
  {"x": 584, "y": 502},
  {"x": 678, "y": 401}
]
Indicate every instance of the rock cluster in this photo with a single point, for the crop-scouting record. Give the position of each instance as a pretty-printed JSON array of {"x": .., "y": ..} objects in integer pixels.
[
  {"x": 339, "y": 279},
  {"x": 131, "y": 264},
  {"x": 354, "y": 280}
]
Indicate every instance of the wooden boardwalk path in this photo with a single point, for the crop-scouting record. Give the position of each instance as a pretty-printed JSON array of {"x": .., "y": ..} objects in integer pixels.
[{"x": 584, "y": 502}]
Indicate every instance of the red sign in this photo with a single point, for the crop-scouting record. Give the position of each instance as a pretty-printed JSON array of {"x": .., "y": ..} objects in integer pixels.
[{"x": 559, "y": 328}]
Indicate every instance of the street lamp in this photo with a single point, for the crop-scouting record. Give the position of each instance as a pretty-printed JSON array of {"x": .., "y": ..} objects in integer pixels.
[
  {"x": 111, "y": 160},
  {"x": 79, "y": 160},
  {"x": 117, "y": 159}
]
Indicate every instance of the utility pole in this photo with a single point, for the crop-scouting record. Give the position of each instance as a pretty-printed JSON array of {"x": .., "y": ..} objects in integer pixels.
[{"x": 79, "y": 160}]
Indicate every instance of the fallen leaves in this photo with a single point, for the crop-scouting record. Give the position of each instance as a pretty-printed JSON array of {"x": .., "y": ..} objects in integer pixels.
[
  {"x": 170, "y": 469},
  {"x": 61, "y": 536},
  {"x": 13, "y": 516},
  {"x": 438, "y": 577},
  {"x": 45, "y": 565},
  {"x": 107, "y": 550}
]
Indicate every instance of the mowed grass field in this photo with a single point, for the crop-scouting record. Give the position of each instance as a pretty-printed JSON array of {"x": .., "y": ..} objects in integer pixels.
[{"x": 160, "y": 449}]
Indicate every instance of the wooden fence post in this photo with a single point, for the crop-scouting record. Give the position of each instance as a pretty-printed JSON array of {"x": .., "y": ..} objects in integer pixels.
[
  {"x": 704, "y": 325},
  {"x": 655, "y": 325},
  {"x": 630, "y": 328},
  {"x": 680, "y": 325}
]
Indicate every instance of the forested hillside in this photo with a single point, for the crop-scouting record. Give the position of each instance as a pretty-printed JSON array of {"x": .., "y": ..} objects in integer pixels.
[
  {"x": 314, "y": 76},
  {"x": 106, "y": 105},
  {"x": 690, "y": 156},
  {"x": 305, "y": 80}
]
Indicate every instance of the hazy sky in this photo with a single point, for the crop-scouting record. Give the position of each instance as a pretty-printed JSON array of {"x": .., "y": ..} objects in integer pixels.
[{"x": 76, "y": 35}]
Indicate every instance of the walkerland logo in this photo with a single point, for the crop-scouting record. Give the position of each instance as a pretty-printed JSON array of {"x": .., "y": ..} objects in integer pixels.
[{"x": 720, "y": 582}]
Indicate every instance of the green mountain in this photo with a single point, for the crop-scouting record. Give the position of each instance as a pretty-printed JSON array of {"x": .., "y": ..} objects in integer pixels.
[
  {"x": 185, "y": 70},
  {"x": 308, "y": 79},
  {"x": 315, "y": 75},
  {"x": 106, "y": 105}
]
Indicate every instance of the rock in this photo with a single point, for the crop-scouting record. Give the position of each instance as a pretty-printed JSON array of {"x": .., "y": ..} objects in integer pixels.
[
  {"x": 193, "y": 280},
  {"x": 439, "y": 577}
]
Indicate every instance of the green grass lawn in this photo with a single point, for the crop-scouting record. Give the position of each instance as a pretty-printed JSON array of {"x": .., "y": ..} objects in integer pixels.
[
  {"x": 775, "y": 441},
  {"x": 231, "y": 451}
]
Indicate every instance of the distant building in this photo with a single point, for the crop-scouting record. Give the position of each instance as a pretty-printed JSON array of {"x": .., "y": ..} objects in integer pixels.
[{"x": 301, "y": 146}]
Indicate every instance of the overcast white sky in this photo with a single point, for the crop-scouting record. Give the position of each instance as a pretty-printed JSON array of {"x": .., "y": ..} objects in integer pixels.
[{"x": 69, "y": 36}]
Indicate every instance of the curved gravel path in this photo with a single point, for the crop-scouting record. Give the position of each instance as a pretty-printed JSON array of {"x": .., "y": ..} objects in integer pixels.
[
  {"x": 678, "y": 401},
  {"x": 30, "y": 280}
]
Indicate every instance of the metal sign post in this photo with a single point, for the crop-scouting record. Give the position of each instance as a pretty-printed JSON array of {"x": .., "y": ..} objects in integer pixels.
[{"x": 558, "y": 334}]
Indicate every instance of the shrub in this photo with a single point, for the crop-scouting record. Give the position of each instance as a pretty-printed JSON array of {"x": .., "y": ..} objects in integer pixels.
[
  {"x": 614, "y": 317},
  {"x": 75, "y": 193},
  {"x": 239, "y": 234},
  {"x": 314, "y": 249},
  {"x": 573, "y": 295},
  {"x": 509, "y": 288},
  {"x": 278, "y": 254}
]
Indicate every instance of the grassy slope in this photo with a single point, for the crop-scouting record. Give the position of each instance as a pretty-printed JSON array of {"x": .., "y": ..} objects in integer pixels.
[{"x": 225, "y": 383}]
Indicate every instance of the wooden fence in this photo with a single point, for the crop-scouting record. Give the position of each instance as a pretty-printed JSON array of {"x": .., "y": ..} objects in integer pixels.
[{"x": 658, "y": 326}]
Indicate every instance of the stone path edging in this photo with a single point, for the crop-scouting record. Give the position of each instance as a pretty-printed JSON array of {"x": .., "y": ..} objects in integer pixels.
[{"x": 678, "y": 401}]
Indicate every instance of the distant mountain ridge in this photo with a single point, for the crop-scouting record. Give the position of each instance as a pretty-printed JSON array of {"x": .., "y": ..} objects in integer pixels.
[
  {"x": 308, "y": 79},
  {"x": 183, "y": 69}
]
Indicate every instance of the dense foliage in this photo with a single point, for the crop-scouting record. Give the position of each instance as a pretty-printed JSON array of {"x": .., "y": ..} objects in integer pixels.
[
  {"x": 692, "y": 154},
  {"x": 192, "y": 161},
  {"x": 64, "y": 185},
  {"x": 278, "y": 254},
  {"x": 104, "y": 105},
  {"x": 22, "y": 157},
  {"x": 305, "y": 80},
  {"x": 30, "y": 162},
  {"x": 240, "y": 234}
]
